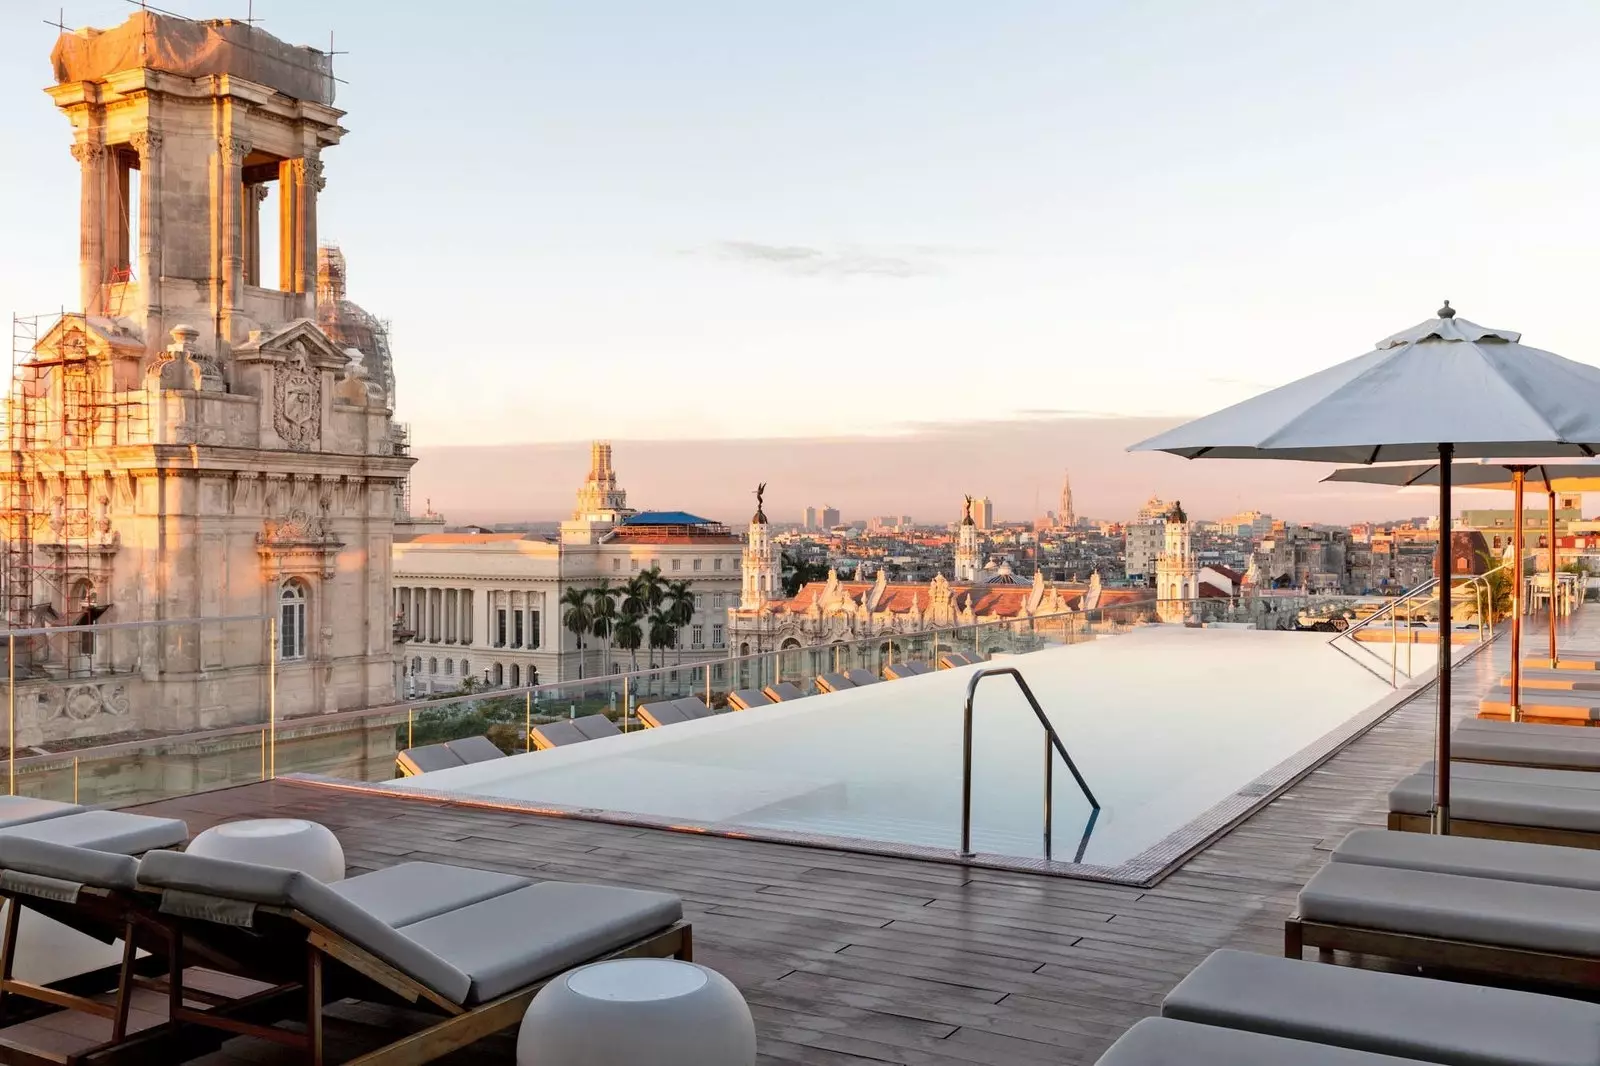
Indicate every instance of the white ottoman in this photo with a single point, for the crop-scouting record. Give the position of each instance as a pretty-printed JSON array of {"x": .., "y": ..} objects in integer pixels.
[
  {"x": 633, "y": 1012},
  {"x": 289, "y": 843}
]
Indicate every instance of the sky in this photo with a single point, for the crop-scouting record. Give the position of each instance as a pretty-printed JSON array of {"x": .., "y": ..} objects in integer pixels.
[{"x": 711, "y": 221}]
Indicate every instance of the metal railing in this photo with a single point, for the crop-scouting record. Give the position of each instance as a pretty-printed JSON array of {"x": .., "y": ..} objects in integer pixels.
[
  {"x": 1052, "y": 746},
  {"x": 1427, "y": 592}
]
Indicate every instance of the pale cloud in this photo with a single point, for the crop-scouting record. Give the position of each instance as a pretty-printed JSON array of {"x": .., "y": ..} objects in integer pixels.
[{"x": 806, "y": 261}]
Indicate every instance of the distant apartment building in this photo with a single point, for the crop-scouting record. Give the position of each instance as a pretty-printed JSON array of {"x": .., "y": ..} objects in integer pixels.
[
  {"x": 828, "y": 516},
  {"x": 1254, "y": 524},
  {"x": 1142, "y": 543},
  {"x": 811, "y": 520},
  {"x": 983, "y": 513},
  {"x": 1303, "y": 557}
]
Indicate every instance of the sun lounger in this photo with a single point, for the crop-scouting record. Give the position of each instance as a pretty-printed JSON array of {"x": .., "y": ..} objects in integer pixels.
[
  {"x": 1505, "y": 803},
  {"x": 901, "y": 671},
  {"x": 746, "y": 698},
  {"x": 1544, "y": 705},
  {"x": 573, "y": 731},
  {"x": 17, "y": 810},
  {"x": 426, "y": 758},
  {"x": 833, "y": 683},
  {"x": 670, "y": 712},
  {"x": 860, "y": 677},
  {"x": 1557, "y": 680},
  {"x": 1504, "y": 860},
  {"x": 470, "y": 945},
  {"x": 1556, "y": 747},
  {"x": 783, "y": 692},
  {"x": 1420, "y": 917},
  {"x": 1167, "y": 1042},
  {"x": 1565, "y": 660},
  {"x": 77, "y": 869},
  {"x": 952, "y": 659},
  {"x": 1386, "y": 1013}
]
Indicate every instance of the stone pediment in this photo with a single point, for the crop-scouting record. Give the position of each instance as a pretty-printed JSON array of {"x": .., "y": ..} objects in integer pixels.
[
  {"x": 76, "y": 336},
  {"x": 300, "y": 341}
]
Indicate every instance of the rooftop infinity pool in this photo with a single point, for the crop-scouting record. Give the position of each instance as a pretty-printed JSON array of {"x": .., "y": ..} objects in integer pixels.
[{"x": 1179, "y": 732}]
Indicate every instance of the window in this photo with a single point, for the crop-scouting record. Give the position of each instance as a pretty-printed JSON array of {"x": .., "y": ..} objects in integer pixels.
[
  {"x": 516, "y": 631},
  {"x": 677, "y": 564},
  {"x": 716, "y": 635},
  {"x": 416, "y": 665},
  {"x": 292, "y": 621},
  {"x": 449, "y": 667},
  {"x": 499, "y": 674},
  {"x": 718, "y": 673},
  {"x": 466, "y": 668},
  {"x": 633, "y": 564},
  {"x": 697, "y": 636},
  {"x": 433, "y": 666},
  {"x": 697, "y": 564},
  {"x": 533, "y": 629},
  {"x": 716, "y": 601},
  {"x": 616, "y": 564},
  {"x": 716, "y": 564},
  {"x": 516, "y": 674},
  {"x": 500, "y": 628},
  {"x": 699, "y": 601}
]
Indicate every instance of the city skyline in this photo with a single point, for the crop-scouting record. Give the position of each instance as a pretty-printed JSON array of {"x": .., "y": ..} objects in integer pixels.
[{"x": 863, "y": 477}]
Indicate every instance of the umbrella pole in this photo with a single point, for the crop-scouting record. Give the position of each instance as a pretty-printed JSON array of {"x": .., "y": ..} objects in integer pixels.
[
  {"x": 1441, "y": 806},
  {"x": 1552, "y": 579},
  {"x": 1519, "y": 476}
]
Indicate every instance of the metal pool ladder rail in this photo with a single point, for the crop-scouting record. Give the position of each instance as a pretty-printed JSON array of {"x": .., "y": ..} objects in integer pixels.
[{"x": 1052, "y": 746}]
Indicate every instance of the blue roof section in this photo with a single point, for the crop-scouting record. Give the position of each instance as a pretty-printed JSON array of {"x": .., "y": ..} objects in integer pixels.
[{"x": 667, "y": 518}]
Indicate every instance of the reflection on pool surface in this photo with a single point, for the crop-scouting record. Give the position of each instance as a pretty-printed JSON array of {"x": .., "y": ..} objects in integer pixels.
[{"x": 1165, "y": 723}]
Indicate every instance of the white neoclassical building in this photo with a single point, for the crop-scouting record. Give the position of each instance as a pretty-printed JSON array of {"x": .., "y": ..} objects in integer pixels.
[
  {"x": 488, "y": 605},
  {"x": 1177, "y": 574}
]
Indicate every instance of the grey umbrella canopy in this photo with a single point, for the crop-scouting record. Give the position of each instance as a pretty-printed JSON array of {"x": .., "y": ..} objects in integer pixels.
[{"x": 1442, "y": 389}]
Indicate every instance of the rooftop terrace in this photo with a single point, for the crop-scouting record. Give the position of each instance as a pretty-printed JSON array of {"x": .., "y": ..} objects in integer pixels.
[{"x": 849, "y": 958}]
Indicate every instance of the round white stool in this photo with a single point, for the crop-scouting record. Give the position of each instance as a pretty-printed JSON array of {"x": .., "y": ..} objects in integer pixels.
[
  {"x": 289, "y": 843},
  {"x": 637, "y": 1011}
]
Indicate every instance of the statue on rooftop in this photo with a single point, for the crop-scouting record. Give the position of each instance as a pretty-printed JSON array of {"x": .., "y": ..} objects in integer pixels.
[{"x": 761, "y": 491}]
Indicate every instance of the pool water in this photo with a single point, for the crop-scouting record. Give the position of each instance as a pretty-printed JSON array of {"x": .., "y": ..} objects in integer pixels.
[{"x": 1165, "y": 723}]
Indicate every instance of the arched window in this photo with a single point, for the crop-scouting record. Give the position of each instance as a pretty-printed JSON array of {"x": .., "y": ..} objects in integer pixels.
[
  {"x": 292, "y": 620},
  {"x": 416, "y": 665},
  {"x": 449, "y": 667},
  {"x": 80, "y": 611},
  {"x": 499, "y": 674},
  {"x": 433, "y": 666},
  {"x": 466, "y": 668},
  {"x": 516, "y": 675}
]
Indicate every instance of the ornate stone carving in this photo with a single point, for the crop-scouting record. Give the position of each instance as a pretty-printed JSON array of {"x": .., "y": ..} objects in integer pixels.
[
  {"x": 297, "y": 403},
  {"x": 147, "y": 143},
  {"x": 311, "y": 172},
  {"x": 82, "y": 702},
  {"x": 234, "y": 149},
  {"x": 88, "y": 153},
  {"x": 259, "y": 192}
]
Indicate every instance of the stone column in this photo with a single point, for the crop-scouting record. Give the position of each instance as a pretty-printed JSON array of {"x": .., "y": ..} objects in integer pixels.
[
  {"x": 253, "y": 196},
  {"x": 230, "y": 209},
  {"x": 308, "y": 182},
  {"x": 91, "y": 157},
  {"x": 290, "y": 172},
  {"x": 466, "y": 616},
  {"x": 148, "y": 144},
  {"x": 452, "y": 609}
]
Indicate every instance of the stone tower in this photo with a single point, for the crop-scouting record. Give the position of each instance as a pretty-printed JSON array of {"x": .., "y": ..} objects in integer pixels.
[
  {"x": 1177, "y": 576},
  {"x": 1066, "y": 517},
  {"x": 759, "y": 566},
  {"x": 193, "y": 445},
  {"x": 968, "y": 559}
]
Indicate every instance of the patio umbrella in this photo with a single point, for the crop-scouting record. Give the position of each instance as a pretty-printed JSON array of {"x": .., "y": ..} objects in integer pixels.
[
  {"x": 1553, "y": 477},
  {"x": 1441, "y": 389}
]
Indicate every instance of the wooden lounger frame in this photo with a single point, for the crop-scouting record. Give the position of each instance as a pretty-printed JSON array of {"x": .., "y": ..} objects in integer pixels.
[
  {"x": 307, "y": 964},
  {"x": 1528, "y": 834},
  {"x": 1299, "y": 934}
]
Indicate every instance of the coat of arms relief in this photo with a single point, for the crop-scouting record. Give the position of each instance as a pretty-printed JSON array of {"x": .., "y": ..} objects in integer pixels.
[{"x": 297, "y": 402}]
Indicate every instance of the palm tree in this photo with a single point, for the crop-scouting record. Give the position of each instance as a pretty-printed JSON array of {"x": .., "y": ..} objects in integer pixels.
[
  {"x": 680, "y": 606},
  {"x": 663, "y": 630},
  {"x": 577, "y": 617},
  {"x": 635, "y": 597},
  {"x": 629, "y": 634},
  {"x": 655, "y": 587},
  {"x": 604, "y": 620}
]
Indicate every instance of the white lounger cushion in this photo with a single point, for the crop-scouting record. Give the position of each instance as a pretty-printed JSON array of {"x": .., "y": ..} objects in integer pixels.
[
  {"x": 413, "y": 891},
  {"x": 1388, "y": 1013},
  {"x": 1558, "y": 747},
  {"x": 1506, "y": 860},
  {"x": 18, "y": 810},
  {"x": 467, "y": 955},
  {"x": 114, "y": 831},
  {"x": 1504, "y": 802},
  {"x": 1476, "y": 910},
  {"x": 1165, "y": 1042},
  {"x": 1518, "y": 775},
  {"x": 82, "y": 866},
  {"x": 557, "y": 926}
]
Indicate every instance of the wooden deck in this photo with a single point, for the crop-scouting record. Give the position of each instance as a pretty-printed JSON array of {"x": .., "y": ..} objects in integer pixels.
[{"x": 848, "y": 958}]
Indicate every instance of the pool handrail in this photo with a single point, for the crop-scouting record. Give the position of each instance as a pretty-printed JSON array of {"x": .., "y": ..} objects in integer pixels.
[{"x": 1053, "y": 745}]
